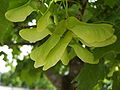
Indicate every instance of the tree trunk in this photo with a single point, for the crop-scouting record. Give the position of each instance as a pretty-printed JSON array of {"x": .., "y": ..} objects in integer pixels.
[{"x": 64, "y": 82}]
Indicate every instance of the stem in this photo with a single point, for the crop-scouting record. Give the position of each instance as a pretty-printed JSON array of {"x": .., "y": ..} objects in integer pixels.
[
  {"x": 66, "y": 7},
  {"x": 65, "y": 4}
]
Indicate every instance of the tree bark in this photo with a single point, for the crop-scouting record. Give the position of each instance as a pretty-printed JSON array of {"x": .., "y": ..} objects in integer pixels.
[
  {"x": 55, "y": 78},
  {"x": 64, "y": 82},
  {"x": 74, "y": 68}
]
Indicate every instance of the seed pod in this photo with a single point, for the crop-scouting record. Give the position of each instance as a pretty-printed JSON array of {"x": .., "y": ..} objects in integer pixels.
[
  {"x": 33, "y": 35},
  {"x": 71, "y": 22},
  {"x": 43, "y": 22},
  {"x": 85, "y": 55},
  {"x": 93, "y": 35},
  {"x": 39, "y": 54},
  {"x": 65, "y": 58},
  {"x": 19, "y": 14},
  {"x": 57, "y": 52},
  {"x": 109, "y": 41}
]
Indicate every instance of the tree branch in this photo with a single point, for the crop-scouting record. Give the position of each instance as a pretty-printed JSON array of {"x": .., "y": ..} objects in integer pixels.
[
  {"x": 25, "y": 27},
  {"x": 84, "y": 3},
  {"x": 55, "y": 78}
]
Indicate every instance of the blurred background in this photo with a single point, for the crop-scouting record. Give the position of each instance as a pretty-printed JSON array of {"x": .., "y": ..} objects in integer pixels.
[{"x": 19, "y": 73}]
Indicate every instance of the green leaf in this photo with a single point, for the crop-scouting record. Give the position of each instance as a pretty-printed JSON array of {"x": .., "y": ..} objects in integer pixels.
[
  {"x": 110, "y": 55},
  {"x": 19, "y": 14},
  {"x": 85, "y": 55},
  {"x": 39, "y": 54},
  {"x": 27, "y": 72},
  {"x": 74, "y": 10},
  {"x": 110, "y": 3},
  {"x": 87, "y": 14},
  {"x": 5, "y": 26},
  {"x": 33, "y": 35},
  {"x": 16, "y": 3},
  {"x": 89, "y": 76},
  {"x": 5, "y": 30},
  {"x": 29, "y": 75},
  {"x": 57, "y": 52},
  {"x": 116, "y": 81}
]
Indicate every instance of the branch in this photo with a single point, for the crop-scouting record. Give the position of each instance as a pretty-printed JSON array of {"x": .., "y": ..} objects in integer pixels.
[
  {"x": 25, "y": 27},
  {"x": 15, "y": 44},
  {"x": 84, "y": 3},
  {"x": 55, "y": 78}
]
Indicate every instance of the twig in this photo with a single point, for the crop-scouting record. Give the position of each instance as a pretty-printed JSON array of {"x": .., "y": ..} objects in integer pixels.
[{"x": 25, "y": 27}]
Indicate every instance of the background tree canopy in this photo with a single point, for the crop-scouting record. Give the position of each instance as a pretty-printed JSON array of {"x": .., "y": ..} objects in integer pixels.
[{"x": 75, "y": 43}]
